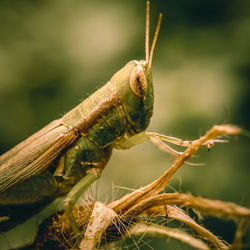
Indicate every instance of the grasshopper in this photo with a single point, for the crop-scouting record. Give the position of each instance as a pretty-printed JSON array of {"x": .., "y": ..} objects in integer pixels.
[{"x": 65, "y": 157}]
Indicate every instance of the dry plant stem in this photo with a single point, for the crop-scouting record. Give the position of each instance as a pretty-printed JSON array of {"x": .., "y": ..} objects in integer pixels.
[
  {"x": 147, "y": 201},
  {"x": 237, "y": 243},
  {"x": 148, "y": 229},
  {"x": 158, "y": 185},
  {"x": 206, "y": 206},
  {"x": 178, "y": 214},
  {"x": 99, "y": 220}
]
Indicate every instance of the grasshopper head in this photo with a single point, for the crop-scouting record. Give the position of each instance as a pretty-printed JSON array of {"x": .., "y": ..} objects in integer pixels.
[
  {"x": 135, "y": 87},
  {"x": 135, "y": 90}
]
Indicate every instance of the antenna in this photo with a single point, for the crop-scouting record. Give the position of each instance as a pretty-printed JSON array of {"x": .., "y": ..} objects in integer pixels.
[
  {"x": 154, "y": 41},
  {"x": 147, "y": 31}
]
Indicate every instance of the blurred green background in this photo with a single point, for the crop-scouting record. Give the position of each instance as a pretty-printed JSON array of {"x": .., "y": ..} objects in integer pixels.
[{"x": 53, "y": 54}]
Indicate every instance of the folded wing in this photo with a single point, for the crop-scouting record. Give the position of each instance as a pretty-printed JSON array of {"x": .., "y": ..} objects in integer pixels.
[{"x": 35, "y": 154}]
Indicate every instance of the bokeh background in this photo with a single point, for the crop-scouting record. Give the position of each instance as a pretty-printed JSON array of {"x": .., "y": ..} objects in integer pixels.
[{"x": 53, "y": 54}]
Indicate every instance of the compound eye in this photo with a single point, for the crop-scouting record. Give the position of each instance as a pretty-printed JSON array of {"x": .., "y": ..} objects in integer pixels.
[{"x": 138, "y": 81}]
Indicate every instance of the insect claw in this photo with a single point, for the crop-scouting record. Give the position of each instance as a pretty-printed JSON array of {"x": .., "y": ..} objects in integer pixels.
[{"x": 209, "y": 144}]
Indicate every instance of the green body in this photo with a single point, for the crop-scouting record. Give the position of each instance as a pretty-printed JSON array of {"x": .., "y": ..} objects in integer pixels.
[
  {"x": 54, "y": 167},
  {"x": 120, "y": 109}
]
